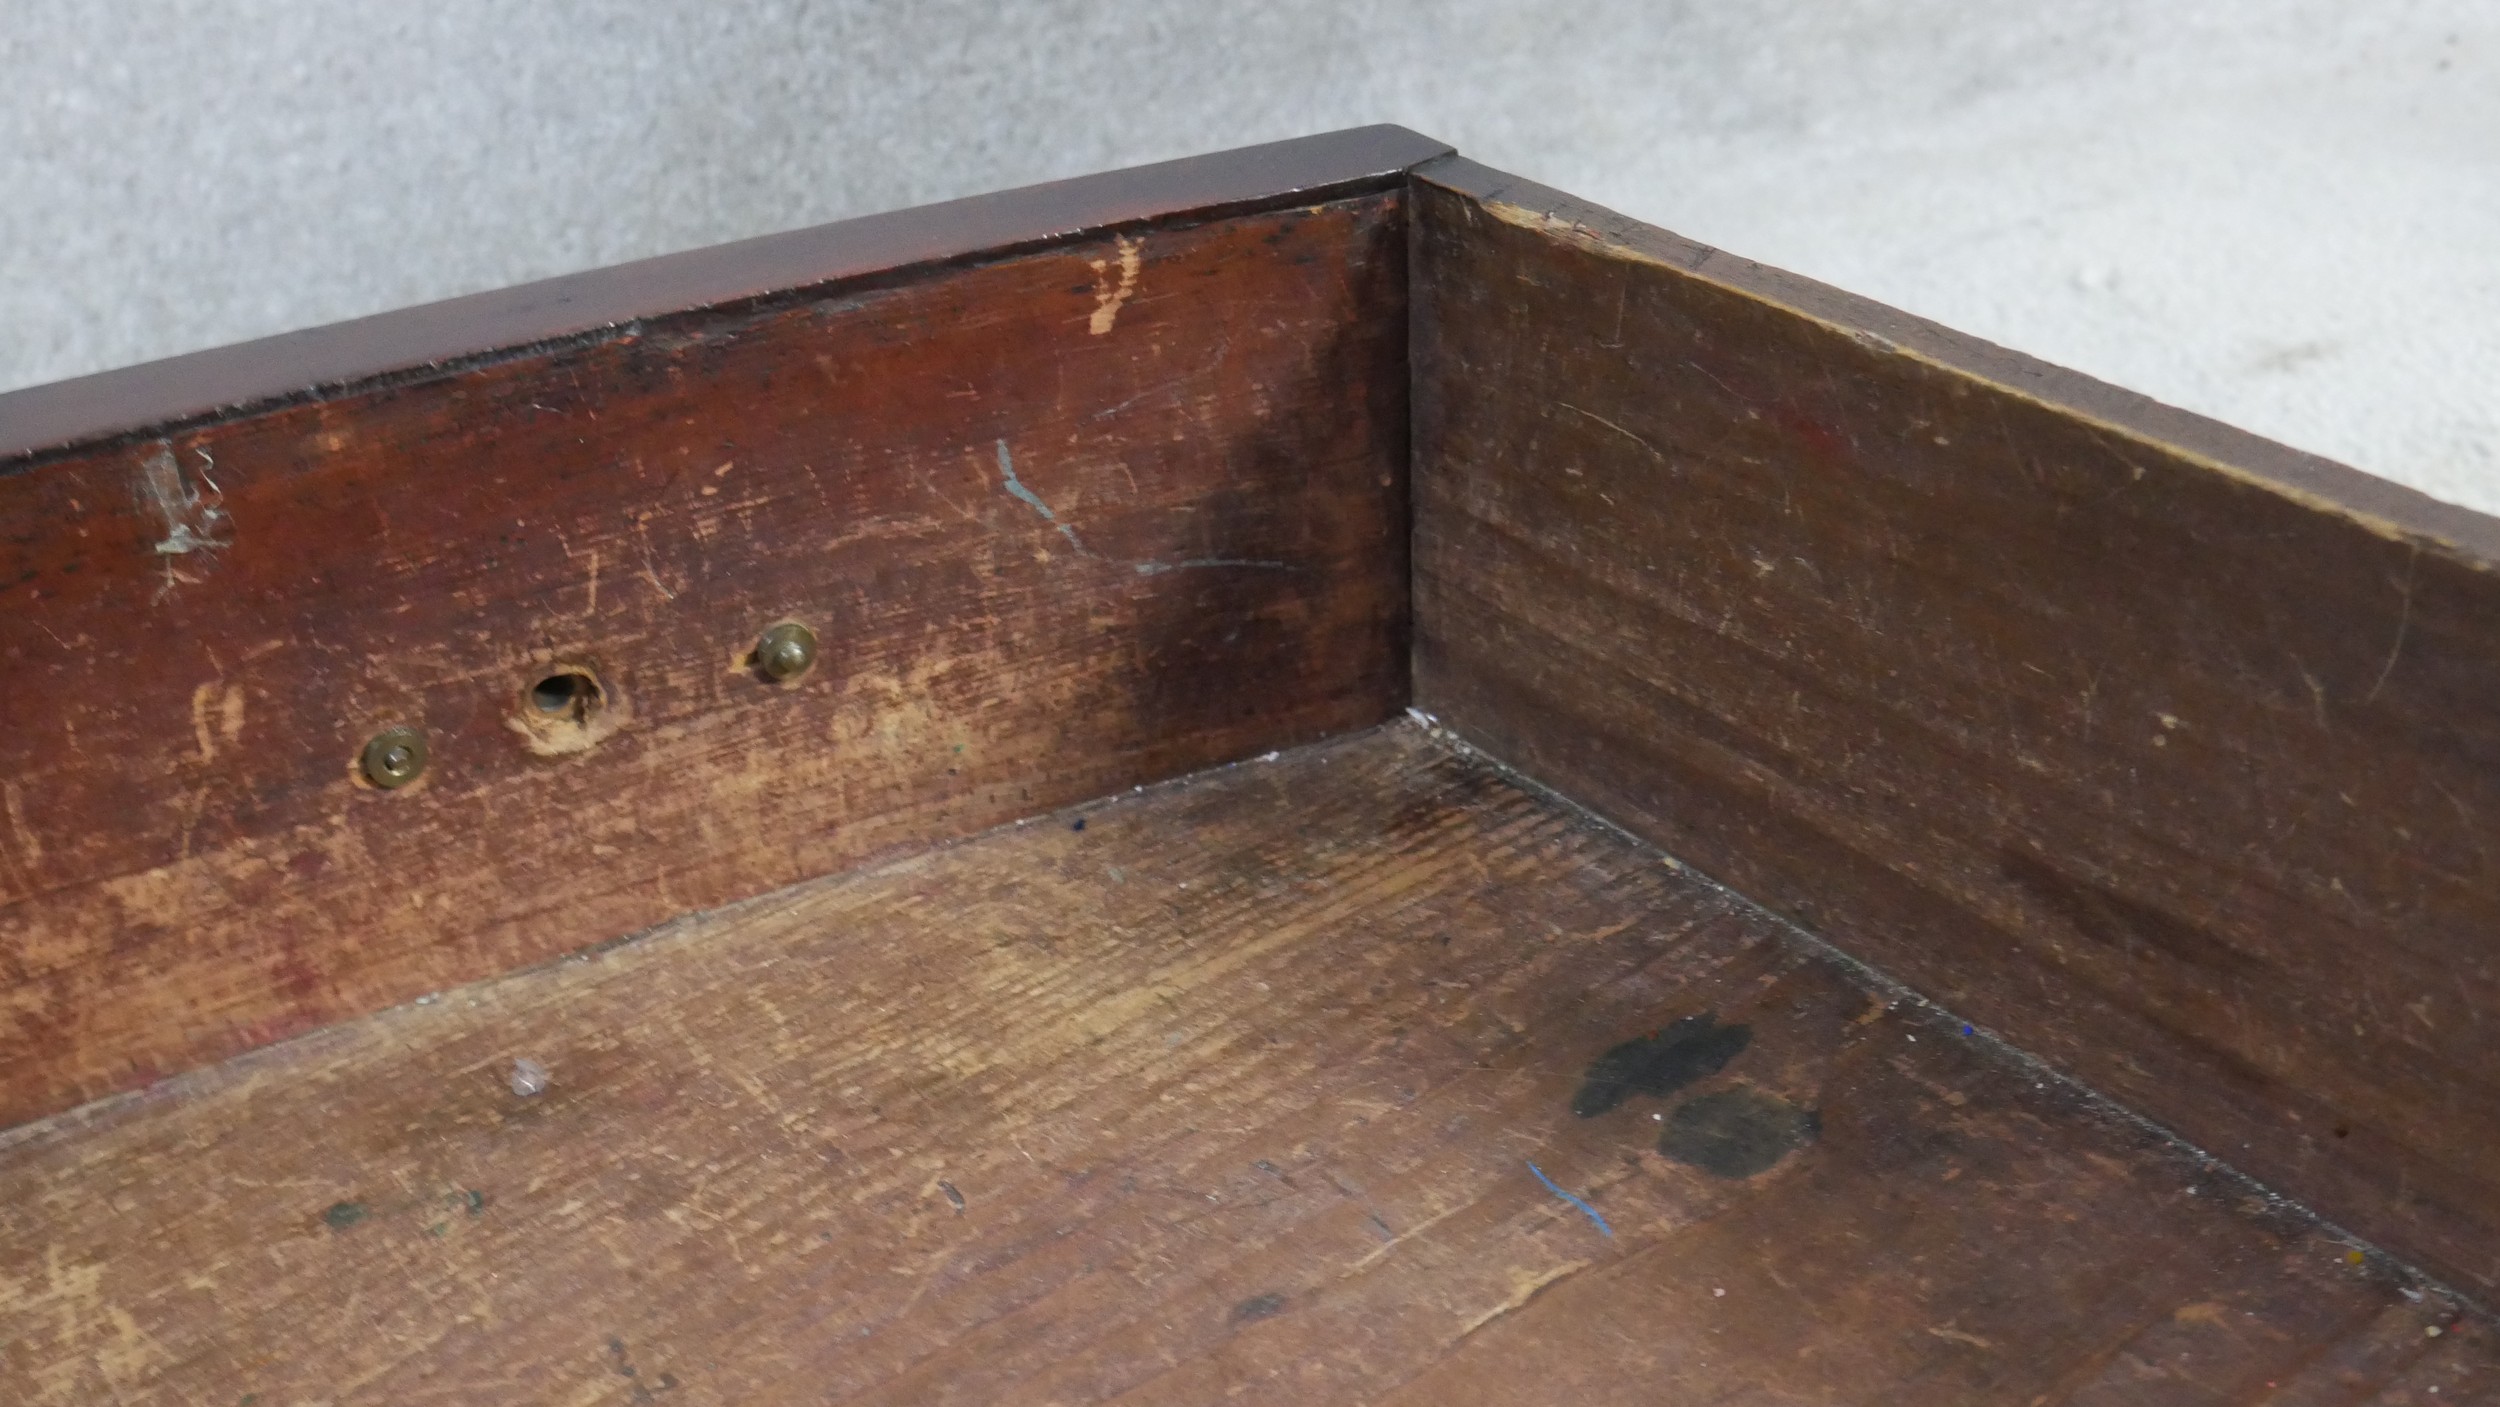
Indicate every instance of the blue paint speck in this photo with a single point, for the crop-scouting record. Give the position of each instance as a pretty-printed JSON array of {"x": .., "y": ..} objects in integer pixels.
[
  {"x": 1007, "y": 472},
  {"x": 1590, "y": 1212}
]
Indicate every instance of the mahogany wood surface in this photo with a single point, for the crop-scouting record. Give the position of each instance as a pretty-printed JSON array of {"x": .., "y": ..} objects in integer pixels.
[
  {"x": 2170, "y": 754},
  {"x": 1248, "y": 1091},
  {"x": 1063, "y": 521}
]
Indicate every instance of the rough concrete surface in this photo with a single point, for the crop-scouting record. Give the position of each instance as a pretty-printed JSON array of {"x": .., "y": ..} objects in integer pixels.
[{"x": 2285, "y": 213}]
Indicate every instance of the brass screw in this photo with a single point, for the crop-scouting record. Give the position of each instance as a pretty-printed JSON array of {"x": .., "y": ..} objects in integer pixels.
[
  {"x": 786, "y": 651},
  {"x": 394, "y": 758}
]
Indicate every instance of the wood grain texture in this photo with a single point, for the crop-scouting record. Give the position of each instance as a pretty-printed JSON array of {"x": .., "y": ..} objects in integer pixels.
[
  {"x": 1065, "y": 522},
  {"x": 2171, "y": 754},
  {"x": 149, "y": 400},
  {"x": 1229, "y": 1096}
]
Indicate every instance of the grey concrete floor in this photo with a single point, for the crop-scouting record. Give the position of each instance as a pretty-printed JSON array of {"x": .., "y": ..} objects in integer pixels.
[{"x": 2285, "y": 213}]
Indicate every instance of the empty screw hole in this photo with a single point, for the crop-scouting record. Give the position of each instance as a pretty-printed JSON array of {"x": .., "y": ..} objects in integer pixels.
[{"x": 568, "y": 693}]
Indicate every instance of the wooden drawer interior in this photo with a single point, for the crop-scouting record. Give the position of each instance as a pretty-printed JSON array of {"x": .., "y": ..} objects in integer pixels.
[{"x": 1409, "y": 791}]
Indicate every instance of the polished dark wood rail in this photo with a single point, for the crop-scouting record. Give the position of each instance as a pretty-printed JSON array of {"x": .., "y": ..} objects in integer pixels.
[{"x": 148, "y": 400}]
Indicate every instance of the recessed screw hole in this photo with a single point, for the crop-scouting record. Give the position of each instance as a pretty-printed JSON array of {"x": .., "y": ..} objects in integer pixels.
[{"x": 576, "y": 694}]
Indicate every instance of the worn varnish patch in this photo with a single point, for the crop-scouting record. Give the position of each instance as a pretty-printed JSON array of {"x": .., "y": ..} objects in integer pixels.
[
  {"x": 2170, "y": 754},
  {"x": 1230, "y": 1095},
  {"x": 1042, "y": 565}
]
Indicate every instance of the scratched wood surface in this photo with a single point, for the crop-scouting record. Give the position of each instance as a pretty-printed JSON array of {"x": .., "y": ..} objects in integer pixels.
[
  {"x": 2172, "y": 754},
  {"x": 1231, "y": 1094},
  {"x": 1063, "y": 522}
]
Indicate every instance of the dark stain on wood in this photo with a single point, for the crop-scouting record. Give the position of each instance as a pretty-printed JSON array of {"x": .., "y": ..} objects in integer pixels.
[
  {"x": 2121, "y": 923},
  {"x": 1258, "y": 1307},
  {"x": 1737, "y": 1133},
  {"x": 1687, "y": 1049},
  {"x": 2172, "y": 755},
  {"x": 642, "y": 1391}
]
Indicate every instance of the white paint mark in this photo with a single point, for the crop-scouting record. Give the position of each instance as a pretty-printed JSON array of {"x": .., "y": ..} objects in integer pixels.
[
  {"x": 1109, "y": 298},
  {"x": 194, "y": 515},
  {"x": 1193, "y": 563},
  {"x": 650, "y": 568},
  {"x": 529, "y": 1078},
  {"x": 194, "y": 520},
  {"x": 2317, "y": 692},
  {"x": 2404, "y": 623},
  {"x": 1636, "y": 439}
]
